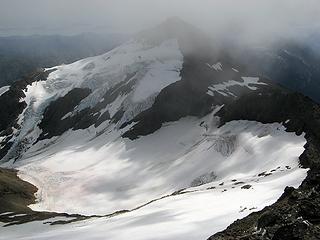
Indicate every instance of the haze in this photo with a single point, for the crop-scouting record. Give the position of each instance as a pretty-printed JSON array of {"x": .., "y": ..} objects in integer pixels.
[{"x": 248, "y": 20}]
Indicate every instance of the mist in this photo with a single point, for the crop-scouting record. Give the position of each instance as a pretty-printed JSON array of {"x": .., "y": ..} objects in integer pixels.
[{"x": 253, "y": 20}]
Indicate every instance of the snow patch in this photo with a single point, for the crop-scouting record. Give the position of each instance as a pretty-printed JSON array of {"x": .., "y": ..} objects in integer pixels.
[
  {"x": 69, "y": 114},
  {"x": 4, "y": 89},
  {"x": 223, "y": 88},
  {"x": 217, "y": 66}
]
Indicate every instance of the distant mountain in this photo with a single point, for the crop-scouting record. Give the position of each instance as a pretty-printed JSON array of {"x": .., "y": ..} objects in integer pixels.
[
  {"x": 164, "y": 137},
  {"x": 20, "y": 55},
  {"x": 293, "y": 64}
]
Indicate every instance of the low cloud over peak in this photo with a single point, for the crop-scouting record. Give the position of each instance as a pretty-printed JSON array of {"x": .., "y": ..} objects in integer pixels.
[{"x": 251, "y": 20}]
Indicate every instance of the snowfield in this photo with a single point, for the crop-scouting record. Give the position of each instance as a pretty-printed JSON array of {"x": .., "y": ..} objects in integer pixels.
[
  {"x": 109, "y": 173},
  {"x": 252, "y": 164}
]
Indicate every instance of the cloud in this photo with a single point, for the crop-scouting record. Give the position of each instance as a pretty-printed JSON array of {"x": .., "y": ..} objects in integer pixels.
[{"x": 252, "y": 19}]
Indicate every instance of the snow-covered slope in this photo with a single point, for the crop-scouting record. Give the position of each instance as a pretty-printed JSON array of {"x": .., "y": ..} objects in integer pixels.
[
  {"x": 141, "y": 69},
  {"x": 109, "y": 174},
  {"x": 245, "y": 165},
  {"x": 155, "y": 67},
  {"x": 137, "y": 131}
]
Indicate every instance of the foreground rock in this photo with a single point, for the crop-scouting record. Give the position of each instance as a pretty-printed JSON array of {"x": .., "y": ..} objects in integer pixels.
[{"x": 16, "y": 195}]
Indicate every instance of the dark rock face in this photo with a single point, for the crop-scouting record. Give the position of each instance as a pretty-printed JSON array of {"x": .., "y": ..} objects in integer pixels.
[
  {"x": 297, "y": 230},
  {"x": 52, "y": 123},
  {"x": 276, "y": 106}
]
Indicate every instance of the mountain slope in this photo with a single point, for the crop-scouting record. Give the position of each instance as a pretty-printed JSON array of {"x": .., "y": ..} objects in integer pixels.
[{"x": 164, "y": 133}]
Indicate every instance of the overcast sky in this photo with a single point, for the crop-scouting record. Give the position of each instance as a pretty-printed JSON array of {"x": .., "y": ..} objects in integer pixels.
[{"x": 75, "y": 16}]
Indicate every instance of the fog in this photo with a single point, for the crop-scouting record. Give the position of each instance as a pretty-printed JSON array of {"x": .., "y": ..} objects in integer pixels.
[{"x": 250, "y": 20}]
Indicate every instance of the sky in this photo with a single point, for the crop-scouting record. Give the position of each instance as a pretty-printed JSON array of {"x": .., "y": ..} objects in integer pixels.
[{"x": 257, "y": 17}]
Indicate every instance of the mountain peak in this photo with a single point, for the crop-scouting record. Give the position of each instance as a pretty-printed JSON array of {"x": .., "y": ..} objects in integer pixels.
[
  {"x": 190, "y": 38},
  {"x": 176, "y": 22},
  {"x": 173, "y": 27}
]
